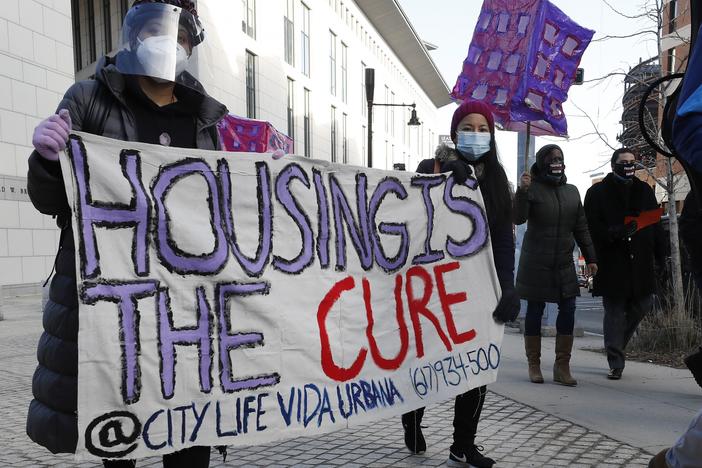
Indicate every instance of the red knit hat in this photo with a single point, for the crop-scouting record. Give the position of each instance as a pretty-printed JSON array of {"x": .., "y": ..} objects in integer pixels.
[{"x": 472, "y": 107}]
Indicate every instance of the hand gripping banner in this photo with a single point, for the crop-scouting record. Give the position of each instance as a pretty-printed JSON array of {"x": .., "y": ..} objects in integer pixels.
[{"x": 230, "y": 299}]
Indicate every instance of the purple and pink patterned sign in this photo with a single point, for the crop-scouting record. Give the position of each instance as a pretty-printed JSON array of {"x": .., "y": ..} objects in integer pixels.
[
  {"x": 244, "y": 135},
  {"x": 522, "y": 61}
]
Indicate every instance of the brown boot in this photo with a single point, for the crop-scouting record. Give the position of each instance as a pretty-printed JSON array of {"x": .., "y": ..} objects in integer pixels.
[
  {"x": 561, "y": 367},
  {"x": 532, "y": 345}
]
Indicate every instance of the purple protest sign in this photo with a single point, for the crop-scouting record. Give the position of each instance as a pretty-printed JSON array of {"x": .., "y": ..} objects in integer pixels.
[{"x": 522, "y": 61}]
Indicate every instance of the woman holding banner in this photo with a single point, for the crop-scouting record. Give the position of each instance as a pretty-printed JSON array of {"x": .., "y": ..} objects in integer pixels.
[
  {"x": 144, "y": 94},
  {"x": 556, "y": 220},
  {"x": 473, "y": 133}
]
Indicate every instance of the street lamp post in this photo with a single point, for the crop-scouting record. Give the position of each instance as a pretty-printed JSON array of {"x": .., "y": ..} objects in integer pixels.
[{"x": 370, "y": 88}]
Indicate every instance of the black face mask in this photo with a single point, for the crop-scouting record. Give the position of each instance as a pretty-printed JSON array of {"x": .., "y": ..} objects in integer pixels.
[
  {"x": 625, "y": 170},
  {"x": 555, "y": 169}
]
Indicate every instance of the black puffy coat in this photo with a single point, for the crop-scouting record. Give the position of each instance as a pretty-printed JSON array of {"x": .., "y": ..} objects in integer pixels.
[
  {"x": 52, "y": 418},
  {"x": 627, "y": 266},
  {"x": 555, "y": 222}
]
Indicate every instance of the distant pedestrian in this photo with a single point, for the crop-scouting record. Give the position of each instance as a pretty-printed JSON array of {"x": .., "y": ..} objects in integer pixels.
[
  {"x": 627, "y": 253},
  {"x": 475, "y": 155},
  {"x": 555, "y": 222}
]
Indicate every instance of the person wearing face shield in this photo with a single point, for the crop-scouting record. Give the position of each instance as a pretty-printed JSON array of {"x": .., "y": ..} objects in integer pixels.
[
  {"x": 474, "y": 156},
  {"x": 555, "y": 223},
  {"x": 144, "y": 93},
  {"x": 626, "y": 277}
]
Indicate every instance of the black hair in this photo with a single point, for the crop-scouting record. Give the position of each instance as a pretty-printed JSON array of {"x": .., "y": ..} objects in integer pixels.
[
  {"x": 619, "y": 151},
  {"x": 495, "y": 188}
]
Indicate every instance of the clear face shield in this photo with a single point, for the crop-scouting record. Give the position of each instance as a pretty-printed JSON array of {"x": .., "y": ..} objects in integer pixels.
[{"x": 158, "y": 41}]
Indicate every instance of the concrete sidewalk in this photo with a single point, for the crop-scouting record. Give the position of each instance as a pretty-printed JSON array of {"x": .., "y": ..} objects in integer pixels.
[
  {"x": 648, "y": 408},
  {"x": 599, "y": 423}
]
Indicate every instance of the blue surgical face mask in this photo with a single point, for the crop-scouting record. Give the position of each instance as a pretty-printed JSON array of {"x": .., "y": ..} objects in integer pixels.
[{"x": 473, "y": 145}]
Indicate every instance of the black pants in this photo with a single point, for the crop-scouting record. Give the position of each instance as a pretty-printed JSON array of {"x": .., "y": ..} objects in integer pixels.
[
  {"x": 621, "y": 318},
  {"x": 466, "y": 415},
  {"x": 565, "y": 322},
  {"x": 193, "y": 457}
]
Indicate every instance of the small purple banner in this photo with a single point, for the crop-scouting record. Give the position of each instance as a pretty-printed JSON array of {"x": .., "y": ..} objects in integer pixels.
[{"x": 522, "y": 61}]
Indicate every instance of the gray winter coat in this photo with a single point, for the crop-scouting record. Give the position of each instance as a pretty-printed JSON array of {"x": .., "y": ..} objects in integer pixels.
[
  {"x": 52, "y": 418},
  {"x": 555, "y": 221}
]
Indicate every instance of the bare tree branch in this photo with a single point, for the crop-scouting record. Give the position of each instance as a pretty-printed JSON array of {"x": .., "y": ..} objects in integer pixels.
[
  {"x": 624, "y": 15},
  {"x": 596, "y": 130},
  {"x": 626, "y": 36}
]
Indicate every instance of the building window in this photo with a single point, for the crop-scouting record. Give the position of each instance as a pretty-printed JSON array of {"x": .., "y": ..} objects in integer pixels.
[
  {"x": 289, "y": 32},
  {"x": 332, "y": 63},
  {"x": 364, "y": 100},
  {"x": 124, "y": 7},
  {"x": 387, "y": 114},
  {"x": 92, "y": 49},
  {"x": 291, "y": 109},
  {"x": 392, "y": 114},
  {"x": 107, "y": 25},
  {"x": 250, "y": 85},
  {"x": 332, "y": 126},
  {"x": 671, "y": 61},
  {"x": 248, "y": 21},
  {"x": 307, "y": 130},
  {"x": 96, "y": 30},
  {"x": 344, "y": 141},
  {"x": 672, "y": 14},
  {"x": 77, "y": 52},
  {"x": 344, "y": 73},
  {"x": 305, "y": 40}
]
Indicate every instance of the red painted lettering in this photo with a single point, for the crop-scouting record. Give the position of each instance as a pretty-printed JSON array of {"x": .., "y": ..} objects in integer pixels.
[
  {"x": 340, "y": 374},
  {"x": 447, "y": 300},
  {"x": 419, "y": 306},
  {"x": 394, "y": 363}
]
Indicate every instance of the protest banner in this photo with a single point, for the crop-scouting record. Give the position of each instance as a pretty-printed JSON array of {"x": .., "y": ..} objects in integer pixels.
[{"x": 230, "y": 299}]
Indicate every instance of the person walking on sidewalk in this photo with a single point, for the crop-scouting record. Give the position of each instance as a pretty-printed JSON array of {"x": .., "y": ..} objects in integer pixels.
[
  {"x": 142, "y": 94},
  {"x": 555, "y": 222},
  {"x": 473, "y": 133},
  {"x": 627, "y": 254}
]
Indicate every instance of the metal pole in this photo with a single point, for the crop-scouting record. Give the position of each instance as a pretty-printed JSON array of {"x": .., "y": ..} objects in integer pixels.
[
  {"x": 370, "y": 88},
  {"x": 526, "y": 147},
  {"x": 370, "y": 134}
]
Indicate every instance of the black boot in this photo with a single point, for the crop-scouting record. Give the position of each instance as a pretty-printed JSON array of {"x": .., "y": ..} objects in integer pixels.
[{"x": 414, "y": 439}]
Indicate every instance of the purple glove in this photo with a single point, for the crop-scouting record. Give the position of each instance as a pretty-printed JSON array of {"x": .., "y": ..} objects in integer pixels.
[{"x": 51, "y": 135}]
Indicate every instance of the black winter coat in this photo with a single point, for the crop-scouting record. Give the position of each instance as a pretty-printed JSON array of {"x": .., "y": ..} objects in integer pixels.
[
  {"x": 555, "y": 222},
  {"x": 52, "y": 418},
  {"x": 501, "y": 235},
  {"x": 626, "y": 268}
]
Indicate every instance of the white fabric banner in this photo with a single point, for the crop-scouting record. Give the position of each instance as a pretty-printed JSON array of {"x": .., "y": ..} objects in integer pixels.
[{"x": 230, "y": 299}]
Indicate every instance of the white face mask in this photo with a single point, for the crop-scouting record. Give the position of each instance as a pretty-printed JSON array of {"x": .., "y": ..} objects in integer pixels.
[
  {"x": 158, "y": 56},
  {"x": 473, "y": 145},
  {"x": 182, "y": 58}
]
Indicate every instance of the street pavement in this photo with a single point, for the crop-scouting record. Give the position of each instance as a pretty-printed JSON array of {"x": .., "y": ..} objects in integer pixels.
[{"x": 597, "y": 424}]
